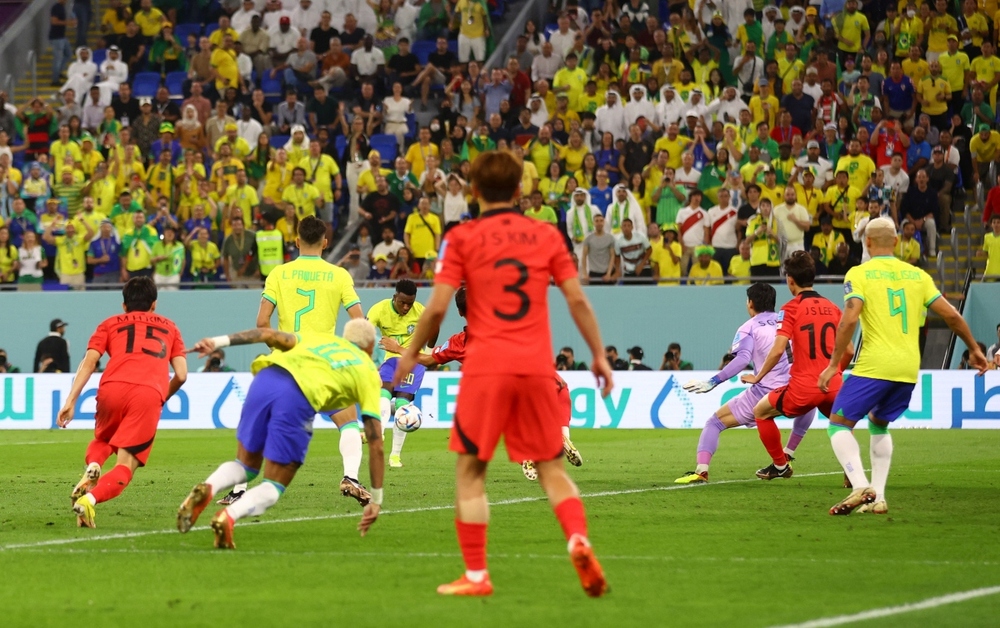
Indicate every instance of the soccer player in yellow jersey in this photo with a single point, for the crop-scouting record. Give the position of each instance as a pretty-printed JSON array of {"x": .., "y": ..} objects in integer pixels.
[
  {"x": 307, "y": 373},
  {"x": 397, "y": 318},
  {"x": 890, "y": 298},
  {"x": 308, "y": 293}
]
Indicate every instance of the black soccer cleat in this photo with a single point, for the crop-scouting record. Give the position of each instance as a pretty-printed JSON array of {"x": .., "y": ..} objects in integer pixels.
[
  {"x": 230, "y": 498},
  {"x": 771, "y": 472}
]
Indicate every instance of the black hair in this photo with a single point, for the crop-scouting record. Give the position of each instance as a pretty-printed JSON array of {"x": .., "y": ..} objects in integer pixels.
[
  {"x": 674, "y": 346},
  {"x": 407, "y": 287},
  {"x": 611, "y": 348},
  {"x": 139, "y": 294},
  {"x": 762, "y": 296},
  {"x": 636, "y": 352},
  {"x": 460, "y": 302},
  {"x": 311, "y": 230}
]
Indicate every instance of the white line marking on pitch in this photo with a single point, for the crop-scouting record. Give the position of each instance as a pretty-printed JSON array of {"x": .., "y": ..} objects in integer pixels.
[
  {"x": 504, "y": 502},
  {"x": 45, "y": 442},
  {"x": 876, "y": 613}
]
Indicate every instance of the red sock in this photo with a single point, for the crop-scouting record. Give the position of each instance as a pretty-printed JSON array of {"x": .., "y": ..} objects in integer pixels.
[
  {"x": 99, "y": 452},
  {"x": 572, "y": 517},
  {"x": 770, "y": 435},
  {"x": 112, "y": 484},
  {"x": 472, "y": 540}
]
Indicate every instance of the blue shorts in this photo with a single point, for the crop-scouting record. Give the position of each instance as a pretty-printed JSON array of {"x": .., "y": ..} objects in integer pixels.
[
  {"x": 411, "y": 384},
  {"x": 885, "y": 400},
  {"x": 277, "y": 418}
]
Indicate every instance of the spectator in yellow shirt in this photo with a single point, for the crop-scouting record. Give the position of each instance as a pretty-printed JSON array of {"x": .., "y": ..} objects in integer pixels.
[
  {"x": 851, "y": 29},
  {"x": 934, "y": 93},
  {"x": 71, "y": 251},
  {"x": 150, "y": 19},
  {"x": 907, "y": 247},
  {"x": 303, "y": 196},
  {"x": 956, "y": 69},
  {"x": 764, "y": 106},
  {"x": 205, "y": 257},
  {"x": 938, "y": 26},
  {"x": 471, "y": 16},
  {"x": 707, "y": 272},
  {"x": 220, "y": 33},
  {"x": 984, "y": 147},
  {"x": 224, "y": 68}
]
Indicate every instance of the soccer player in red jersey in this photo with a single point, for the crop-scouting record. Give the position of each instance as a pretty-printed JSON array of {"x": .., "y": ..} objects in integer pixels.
[
  {"x": 506, "y": 261},
  {"x": 453, "y": 350},
  {"x": 809, "y": 321},
  {"x": 142, "y": 346}
]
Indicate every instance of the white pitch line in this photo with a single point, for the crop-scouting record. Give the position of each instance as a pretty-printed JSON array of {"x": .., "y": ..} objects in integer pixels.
[
  {"x": 504, "y": 502},
  {"x": 44, "y": 442},
  {"x": 876, "y": 613}
]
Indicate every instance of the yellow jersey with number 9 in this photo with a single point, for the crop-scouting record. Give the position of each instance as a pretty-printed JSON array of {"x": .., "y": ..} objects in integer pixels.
[
  {"x": 331, "y": 372},
  {"x": 896, "y": 296},
  {"x": 308, "y": 293},
  {"x": 388, "y": 322}
]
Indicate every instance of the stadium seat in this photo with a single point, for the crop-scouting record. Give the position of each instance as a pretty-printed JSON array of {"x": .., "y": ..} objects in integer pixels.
[
  {"x": 411, "y": 124},
  {"x": 175, "y": 84},
  {"x": 423, "y": 49},
  {"x": 452, "y": 46},
  {"x": 145, "y": 84},
  {"x": 279, "y": 141},
  {"x": 497, "y": 12},
  {"x": 98, "y": 56},
  {"x": 340, "y": 142},
  {"x": 550, "y": 28},
  {"x": 386, "y": 146},
  {"x": 211, "y": 28},
  {"x": 272, "y": 87},
  {"x": 181, "y": 31}
]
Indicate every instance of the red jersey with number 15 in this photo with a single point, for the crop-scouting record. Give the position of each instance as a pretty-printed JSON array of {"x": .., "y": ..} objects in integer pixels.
[
  {"x": 140, "y": 345},
  {"x": 810, "y": 321},
  {"x": 506, "y": 261}
]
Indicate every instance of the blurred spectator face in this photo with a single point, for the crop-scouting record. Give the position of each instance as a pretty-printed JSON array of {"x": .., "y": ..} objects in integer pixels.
[{"x": 138, "y": 220}]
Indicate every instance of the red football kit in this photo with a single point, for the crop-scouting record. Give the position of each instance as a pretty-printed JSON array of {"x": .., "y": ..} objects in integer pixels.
[
  {"x": 810, "y": 322},
  {"x": 506, "y": 261},
  {"x": 135, "y": 383},
  {"x": 453, "y": 350}
]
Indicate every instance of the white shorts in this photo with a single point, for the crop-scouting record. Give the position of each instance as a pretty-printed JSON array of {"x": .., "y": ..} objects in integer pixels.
[
  {"x": 166, "y": 282},
  {"x": 475, "y": 45},
  {"x": 74, "y": 281}
]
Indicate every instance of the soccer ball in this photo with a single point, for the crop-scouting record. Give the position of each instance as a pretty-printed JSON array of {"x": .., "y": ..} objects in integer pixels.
[{"x": 408, "y": 418}]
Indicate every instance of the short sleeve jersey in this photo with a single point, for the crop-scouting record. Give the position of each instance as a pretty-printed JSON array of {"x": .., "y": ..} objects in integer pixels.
[
  {"x": 506, "y": 261},
  {"x": 810, "y": 322},
  {"x": 389, "y": 322},
  {"x": 453, "y": 350},
  {"x": 308, "y": 293},
  {"x": 331, "y": 372},
  {"x": 141, "y": 346},
  {"x": 896, "y": 296}
]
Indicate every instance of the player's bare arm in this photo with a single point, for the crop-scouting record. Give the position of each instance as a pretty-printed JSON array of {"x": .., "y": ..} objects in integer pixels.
[
  {"x": 83, "y": 372},
  {"x": 429, "y": 324},
  {"x": 845, "y": 335},
  {"x": 376, "y": 469},
  {"x": 586, "y": 322},
  {"x": 773, "y": 356},
  {"x": 265, "y": 311},
  {"x": 392, "y": 346},
  {"x": 943, "y": 308},
  {"x": 180, "y": 366},
  {"x": 272, "y": 338},
  {"x": 354, "y": 312}
]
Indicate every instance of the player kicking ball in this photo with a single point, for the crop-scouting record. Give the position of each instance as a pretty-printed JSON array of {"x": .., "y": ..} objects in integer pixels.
[
  {"x": 309, "y": 373},
  {"x": 890, "y": 298},
  {"x": 809, "y": 321},
  {"x": 454, "y": 350},
  {"x": 506, "y": 261},
  {"x": 143, "y": 346},
  {"x": 752, "y": 343},
  {"x": 396, "y": 319}
]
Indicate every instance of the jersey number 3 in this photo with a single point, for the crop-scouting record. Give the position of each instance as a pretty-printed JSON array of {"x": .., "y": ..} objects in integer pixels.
[{"x": 515, "y": 289}]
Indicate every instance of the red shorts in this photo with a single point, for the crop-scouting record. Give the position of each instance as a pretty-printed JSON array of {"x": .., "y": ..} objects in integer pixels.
[
  {"x": 795, "y": 400},
  {"x": 524, "y": 409},
  {"x": 127, "y": 416},
  {"x": 565, "y": 405}
]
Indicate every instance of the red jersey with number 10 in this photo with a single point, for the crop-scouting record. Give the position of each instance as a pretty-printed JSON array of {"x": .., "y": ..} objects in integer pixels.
[
  {"x": 140, "y": 345},
  {"x": 506, "y": 261},
  {"x": 810, "y": 321}
]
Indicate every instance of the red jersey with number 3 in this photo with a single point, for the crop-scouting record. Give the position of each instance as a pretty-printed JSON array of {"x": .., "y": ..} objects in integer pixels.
[
  {"x": 140, "y": 345},
  {"x": 506, "y": 261},
  {"x": 810, "y": 321}
]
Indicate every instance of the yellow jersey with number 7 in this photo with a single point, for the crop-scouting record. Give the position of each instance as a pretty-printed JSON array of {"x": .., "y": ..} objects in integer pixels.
[
  {"x": 896, "y": 296},
  {"x": 308, "y": 293}
]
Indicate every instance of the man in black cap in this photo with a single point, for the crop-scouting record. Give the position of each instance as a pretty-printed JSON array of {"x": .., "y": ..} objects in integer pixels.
[
  {"x": 52, "y": 353},
  {"x": 635, "y": 355}
]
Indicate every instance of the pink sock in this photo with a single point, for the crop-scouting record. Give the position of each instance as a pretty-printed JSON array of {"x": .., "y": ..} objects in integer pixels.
[{"x": 708, "y": 442}]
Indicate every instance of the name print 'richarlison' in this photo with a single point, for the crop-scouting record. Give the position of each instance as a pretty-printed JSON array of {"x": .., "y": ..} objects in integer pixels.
[{"x": 903, "y": 275}]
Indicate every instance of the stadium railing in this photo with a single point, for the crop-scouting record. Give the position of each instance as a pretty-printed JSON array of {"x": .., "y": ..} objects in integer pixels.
[{"x": 21, "y": 42}]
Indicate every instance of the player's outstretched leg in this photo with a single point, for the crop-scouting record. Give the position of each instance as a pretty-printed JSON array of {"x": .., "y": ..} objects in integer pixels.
[
  {"x": 256, "y": 501},
  {"x": 472, "y": 516},
  {"x": 799, "y": 428},
  {"x": 229, "y": 473},
  {"x": 708, "y": 443},
  {"x": 770, "y": 435},
  {"x": 109, "y": 486},
  {"x": 529, "y": 471},
  {"x": 569, "y": 449},
  {"x": 565, "y": 500},
  {"x": 98, "y": 452},
  {"x": 881, "y": 452},
  {"x": 845, "y": 447},
  {"x": 398, "y": 435}
]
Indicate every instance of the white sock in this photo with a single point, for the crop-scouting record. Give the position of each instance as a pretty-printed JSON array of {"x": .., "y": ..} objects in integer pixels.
[
  {"x": 90, "y": 498},
  {"x": 881, "y": 451},
  {"x": 398, "y": 438},
  {"x": 702, "y": 468},
  {"x": 789, "y": 452},
  {"x": 350, "y": 450},
  {"x": 565, "y": 431},
  {"x": 476, "y": 575},
  {"x": 255, "y": 502},
  {"x": 229, "y": 474},
  {"x": 385, "y": 412},
  {"x": 845, "y": 447}
]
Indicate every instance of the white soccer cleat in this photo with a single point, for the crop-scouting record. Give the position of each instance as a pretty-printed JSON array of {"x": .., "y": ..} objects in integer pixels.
[
  {"x": 529, "y": 470},
  {"x": 89, "y": 480},
  {"x": 875, "y": 508}
]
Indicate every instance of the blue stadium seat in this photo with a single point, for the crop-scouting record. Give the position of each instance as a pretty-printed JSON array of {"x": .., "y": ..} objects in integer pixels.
[
  {"x": 175, "y": 84},
  {"x": 211, "y": 28},
  {"x": 497, "y": 13},
  {"x": 340, "y": 142},
  {"x": 423, "y": 49},
  {"x": 272, "y": 87},
  {"x": 386, "y": 147},
  {"x": 145, "y": 84},
  {"x": 181, "y": 31},
  {"x": 452, "y": 46},
  {"x": 411, "y": 123},
  {"x": 98, "y": 56},
  {"x": 279, "y": 141},
  {"x": 550, "y": 28}
]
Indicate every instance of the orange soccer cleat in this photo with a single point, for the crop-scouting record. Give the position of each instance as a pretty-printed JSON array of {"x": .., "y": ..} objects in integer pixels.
[
  {"x": 464, "y": 586},
  {"x": 192, "y": 506},
  {"x": 222, "y": 527},
  {"x": 587, "y": 567}
]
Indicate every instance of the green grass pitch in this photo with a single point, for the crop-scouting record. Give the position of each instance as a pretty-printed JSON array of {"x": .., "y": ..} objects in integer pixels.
[{"x": 737, "y": 552}]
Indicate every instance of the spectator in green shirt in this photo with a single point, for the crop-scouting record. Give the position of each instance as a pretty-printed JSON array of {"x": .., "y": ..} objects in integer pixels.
[
  {"x": 70, "y": 192},
  {"x": 672, "y": 360},
  {"x": 539, "y": 211},
  {"x": 168, "y": 260}
]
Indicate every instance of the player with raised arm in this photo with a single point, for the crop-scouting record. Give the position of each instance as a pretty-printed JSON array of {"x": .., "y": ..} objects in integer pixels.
[
  {"x": 143, "y": 346},
  {"x": 890, "y": 298},
  {"x": 454, "y": 350},
  {"x": 753, "y": 340},
  {"x": 809, "y": 321},
  {"x": 396, "y": 319},
  {"x": 307, "y": 294},
  {"x": 307, "y": 373},
  {"x": 506, "y": 261}
]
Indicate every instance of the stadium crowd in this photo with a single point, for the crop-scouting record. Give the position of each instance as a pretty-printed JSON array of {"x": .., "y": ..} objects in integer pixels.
[{"x": 695, "y": 141}]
